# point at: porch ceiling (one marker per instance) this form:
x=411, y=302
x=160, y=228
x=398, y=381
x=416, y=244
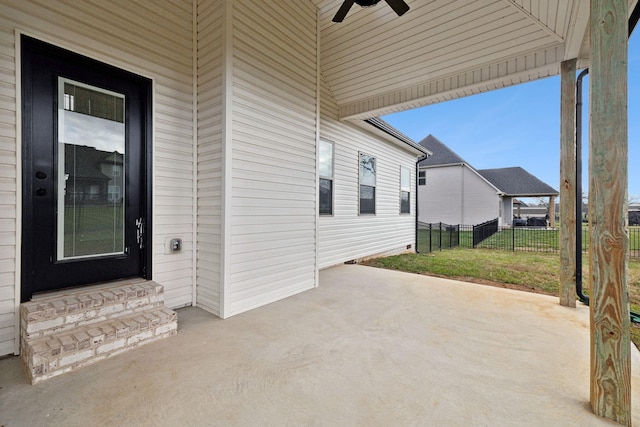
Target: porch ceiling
x=378, y=63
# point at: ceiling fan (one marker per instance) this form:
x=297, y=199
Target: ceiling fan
x=398, y=6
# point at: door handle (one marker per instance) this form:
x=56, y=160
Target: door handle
x=41, y=191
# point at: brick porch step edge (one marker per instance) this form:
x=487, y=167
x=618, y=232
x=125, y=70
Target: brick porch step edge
x=52, y=355
x=57, y=313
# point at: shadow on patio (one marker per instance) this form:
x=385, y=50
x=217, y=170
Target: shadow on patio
x=368, y=347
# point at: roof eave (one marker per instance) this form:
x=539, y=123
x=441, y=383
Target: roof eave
x=384, y=129
x=532, y=194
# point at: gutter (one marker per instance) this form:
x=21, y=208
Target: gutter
x=635, y=317
x=390, y=130
x=578, y=272
x=424, y=156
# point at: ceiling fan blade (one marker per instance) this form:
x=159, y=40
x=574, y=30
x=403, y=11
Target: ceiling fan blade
x=344, y=9
x=399, y=6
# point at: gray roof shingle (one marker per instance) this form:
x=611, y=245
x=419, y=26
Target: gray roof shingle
x=517, y=182
x=441, y=154
x=514, y=181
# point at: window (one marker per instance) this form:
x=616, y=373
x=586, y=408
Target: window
x=367, y=177
x=114, y=193
x=405, y=190
x=325, y=172
x=422, y=177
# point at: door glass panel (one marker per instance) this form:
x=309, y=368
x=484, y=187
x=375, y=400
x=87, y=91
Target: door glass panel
x=91, y=173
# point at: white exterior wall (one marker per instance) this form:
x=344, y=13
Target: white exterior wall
x=456, y=195
x=346, y=235
x=211, y=40
x=507, y=211
x=9, y=169
x=440, y=199
x=153, y=39
x=481, y=200
x=270, y=232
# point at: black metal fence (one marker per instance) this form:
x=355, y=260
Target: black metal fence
x=438, y=236
x=483, y=231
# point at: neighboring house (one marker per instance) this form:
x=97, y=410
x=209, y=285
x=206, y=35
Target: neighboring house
x=94, y=176
x=516, y=182
x=452, y=191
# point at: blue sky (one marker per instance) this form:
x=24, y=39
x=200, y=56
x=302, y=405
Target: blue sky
x=519, y=126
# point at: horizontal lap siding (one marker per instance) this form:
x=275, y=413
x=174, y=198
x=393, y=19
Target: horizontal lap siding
x=210, y=56
x=440, y=198
x=347, y=235
x=8, y=188
x=481, y=199
x=456, y=195
x=273, y=157
x=153, y=39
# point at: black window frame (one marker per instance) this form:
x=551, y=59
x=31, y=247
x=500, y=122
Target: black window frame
x=405, y=191
x=368, y=205
x=325, y=180
x=422, y=177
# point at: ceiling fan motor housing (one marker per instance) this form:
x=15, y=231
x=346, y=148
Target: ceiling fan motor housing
x=399, y=6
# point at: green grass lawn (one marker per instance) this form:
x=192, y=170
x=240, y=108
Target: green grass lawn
x=93, y=229
x=527, y=271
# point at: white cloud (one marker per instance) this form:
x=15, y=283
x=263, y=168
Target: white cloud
x=82, y=129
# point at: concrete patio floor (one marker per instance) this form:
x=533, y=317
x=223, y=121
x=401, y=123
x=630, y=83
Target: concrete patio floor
x=369, y=347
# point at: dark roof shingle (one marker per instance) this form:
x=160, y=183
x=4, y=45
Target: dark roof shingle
x=442, y=155
x=517, y=182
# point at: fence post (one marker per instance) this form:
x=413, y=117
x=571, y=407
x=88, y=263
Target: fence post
x=513, y=238
x=430, y=237
x=473, y=236
x=440, y=236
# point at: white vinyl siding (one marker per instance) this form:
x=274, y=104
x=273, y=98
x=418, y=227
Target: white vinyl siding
x=440, y=50
x=456, y=195
x=210, y=155
x=481, y=200
x=273, y=214
x=8, y=190
x=347, y=235
x=507, y=211
x=153, y=39
x=440, y=200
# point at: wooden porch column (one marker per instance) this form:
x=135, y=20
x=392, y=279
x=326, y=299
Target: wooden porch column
x=568, y=183
x=552, y=211
x=608, y=253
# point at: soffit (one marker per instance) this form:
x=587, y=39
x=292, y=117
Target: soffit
x=377, y=63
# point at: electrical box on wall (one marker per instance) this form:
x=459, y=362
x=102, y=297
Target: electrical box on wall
x=172, y=245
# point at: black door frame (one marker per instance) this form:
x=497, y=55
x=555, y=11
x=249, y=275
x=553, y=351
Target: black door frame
x=30, y=240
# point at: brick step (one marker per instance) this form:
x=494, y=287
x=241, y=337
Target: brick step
x=66, y=350
x=63, y=311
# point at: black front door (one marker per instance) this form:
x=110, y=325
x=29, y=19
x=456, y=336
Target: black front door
x=85, y=133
